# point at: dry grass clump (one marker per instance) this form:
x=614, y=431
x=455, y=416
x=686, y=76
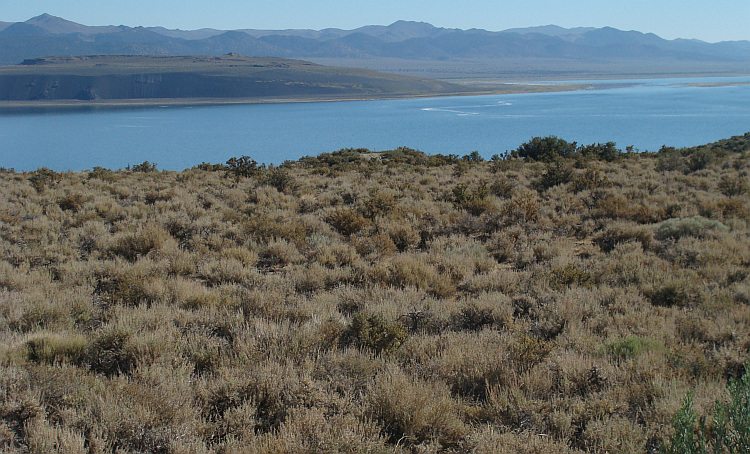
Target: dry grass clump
x=413, y=412
x=562, y=299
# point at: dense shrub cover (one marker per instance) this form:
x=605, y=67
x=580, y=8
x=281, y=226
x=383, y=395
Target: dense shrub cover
x=388, y=302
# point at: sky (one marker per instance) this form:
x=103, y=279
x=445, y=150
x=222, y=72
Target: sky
x=708, y=20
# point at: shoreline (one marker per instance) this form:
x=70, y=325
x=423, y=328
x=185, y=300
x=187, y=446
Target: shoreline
x=43, y=106
x=477, y=87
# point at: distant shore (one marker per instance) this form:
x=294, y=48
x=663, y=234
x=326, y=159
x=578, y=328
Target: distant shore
x=714, y=84
x=480, y=88
x=108, y=104
x=102, y=82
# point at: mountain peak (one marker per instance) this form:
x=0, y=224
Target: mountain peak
x=43, y=16
x=400, y=30
x=402, y=22
x=56, y=25
x=59, y=26
x=47, y=18
x=411, y=25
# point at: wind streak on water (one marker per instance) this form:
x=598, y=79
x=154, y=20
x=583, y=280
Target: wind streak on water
x=461, y=110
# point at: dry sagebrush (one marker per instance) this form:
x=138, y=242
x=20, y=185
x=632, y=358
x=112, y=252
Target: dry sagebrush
x=374, y=302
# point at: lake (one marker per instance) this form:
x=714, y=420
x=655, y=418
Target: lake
x=645, y=114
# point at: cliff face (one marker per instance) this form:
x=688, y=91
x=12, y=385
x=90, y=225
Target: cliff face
x=232, y=76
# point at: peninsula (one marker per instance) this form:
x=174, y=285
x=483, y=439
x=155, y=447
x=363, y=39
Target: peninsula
x=129, y=80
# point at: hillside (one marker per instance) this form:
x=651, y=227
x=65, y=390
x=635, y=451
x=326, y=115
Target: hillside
x=402, y=42
x=104, y=77
x=561, y=300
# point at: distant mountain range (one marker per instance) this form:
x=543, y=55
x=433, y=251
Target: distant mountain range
x=47, y=35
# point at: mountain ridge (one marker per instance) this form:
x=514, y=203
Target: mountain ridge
x=407, y=29
x=47, y=35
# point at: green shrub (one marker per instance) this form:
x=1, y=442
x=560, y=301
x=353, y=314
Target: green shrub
x=404, y=236
x=158, y=195
x=380, y=203
x=557, y=172
x=699, y=160
x=145, y=166
x=128, y=287
x=732, y=419
x=502, y=187
x=243, y=167
x=474, y=156
x=631, y=346
x=101, y=173
x=733, y=186
x=373, y=332
x=544, y=149
x=42, y=178
x=731, y=424
x=522, y=209
x=340, y=160
x=72, y=202
x=697, y=226
x=570, y=275
x=374, y=245
x=347, y=221
x=281, y=179
x=617, y=234
x=472, y=199
x=405, y=155
x=110, y=354
x=732, y=208
x=590, y=180
x=472, y=317
x=607, y=152
x=671, y=294
x=209, y=167
x=529, y=350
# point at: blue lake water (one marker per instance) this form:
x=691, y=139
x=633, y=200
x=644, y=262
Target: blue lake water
x=647, y=114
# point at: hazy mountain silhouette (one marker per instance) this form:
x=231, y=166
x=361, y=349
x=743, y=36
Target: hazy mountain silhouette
x=551, y=30
x=24, y=29
x=60, y=26
x=48, y=35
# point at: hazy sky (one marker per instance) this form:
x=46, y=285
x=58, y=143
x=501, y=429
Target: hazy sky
x=714, y=20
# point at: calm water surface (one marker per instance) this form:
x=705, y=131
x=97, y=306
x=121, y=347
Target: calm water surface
x=646, y=115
